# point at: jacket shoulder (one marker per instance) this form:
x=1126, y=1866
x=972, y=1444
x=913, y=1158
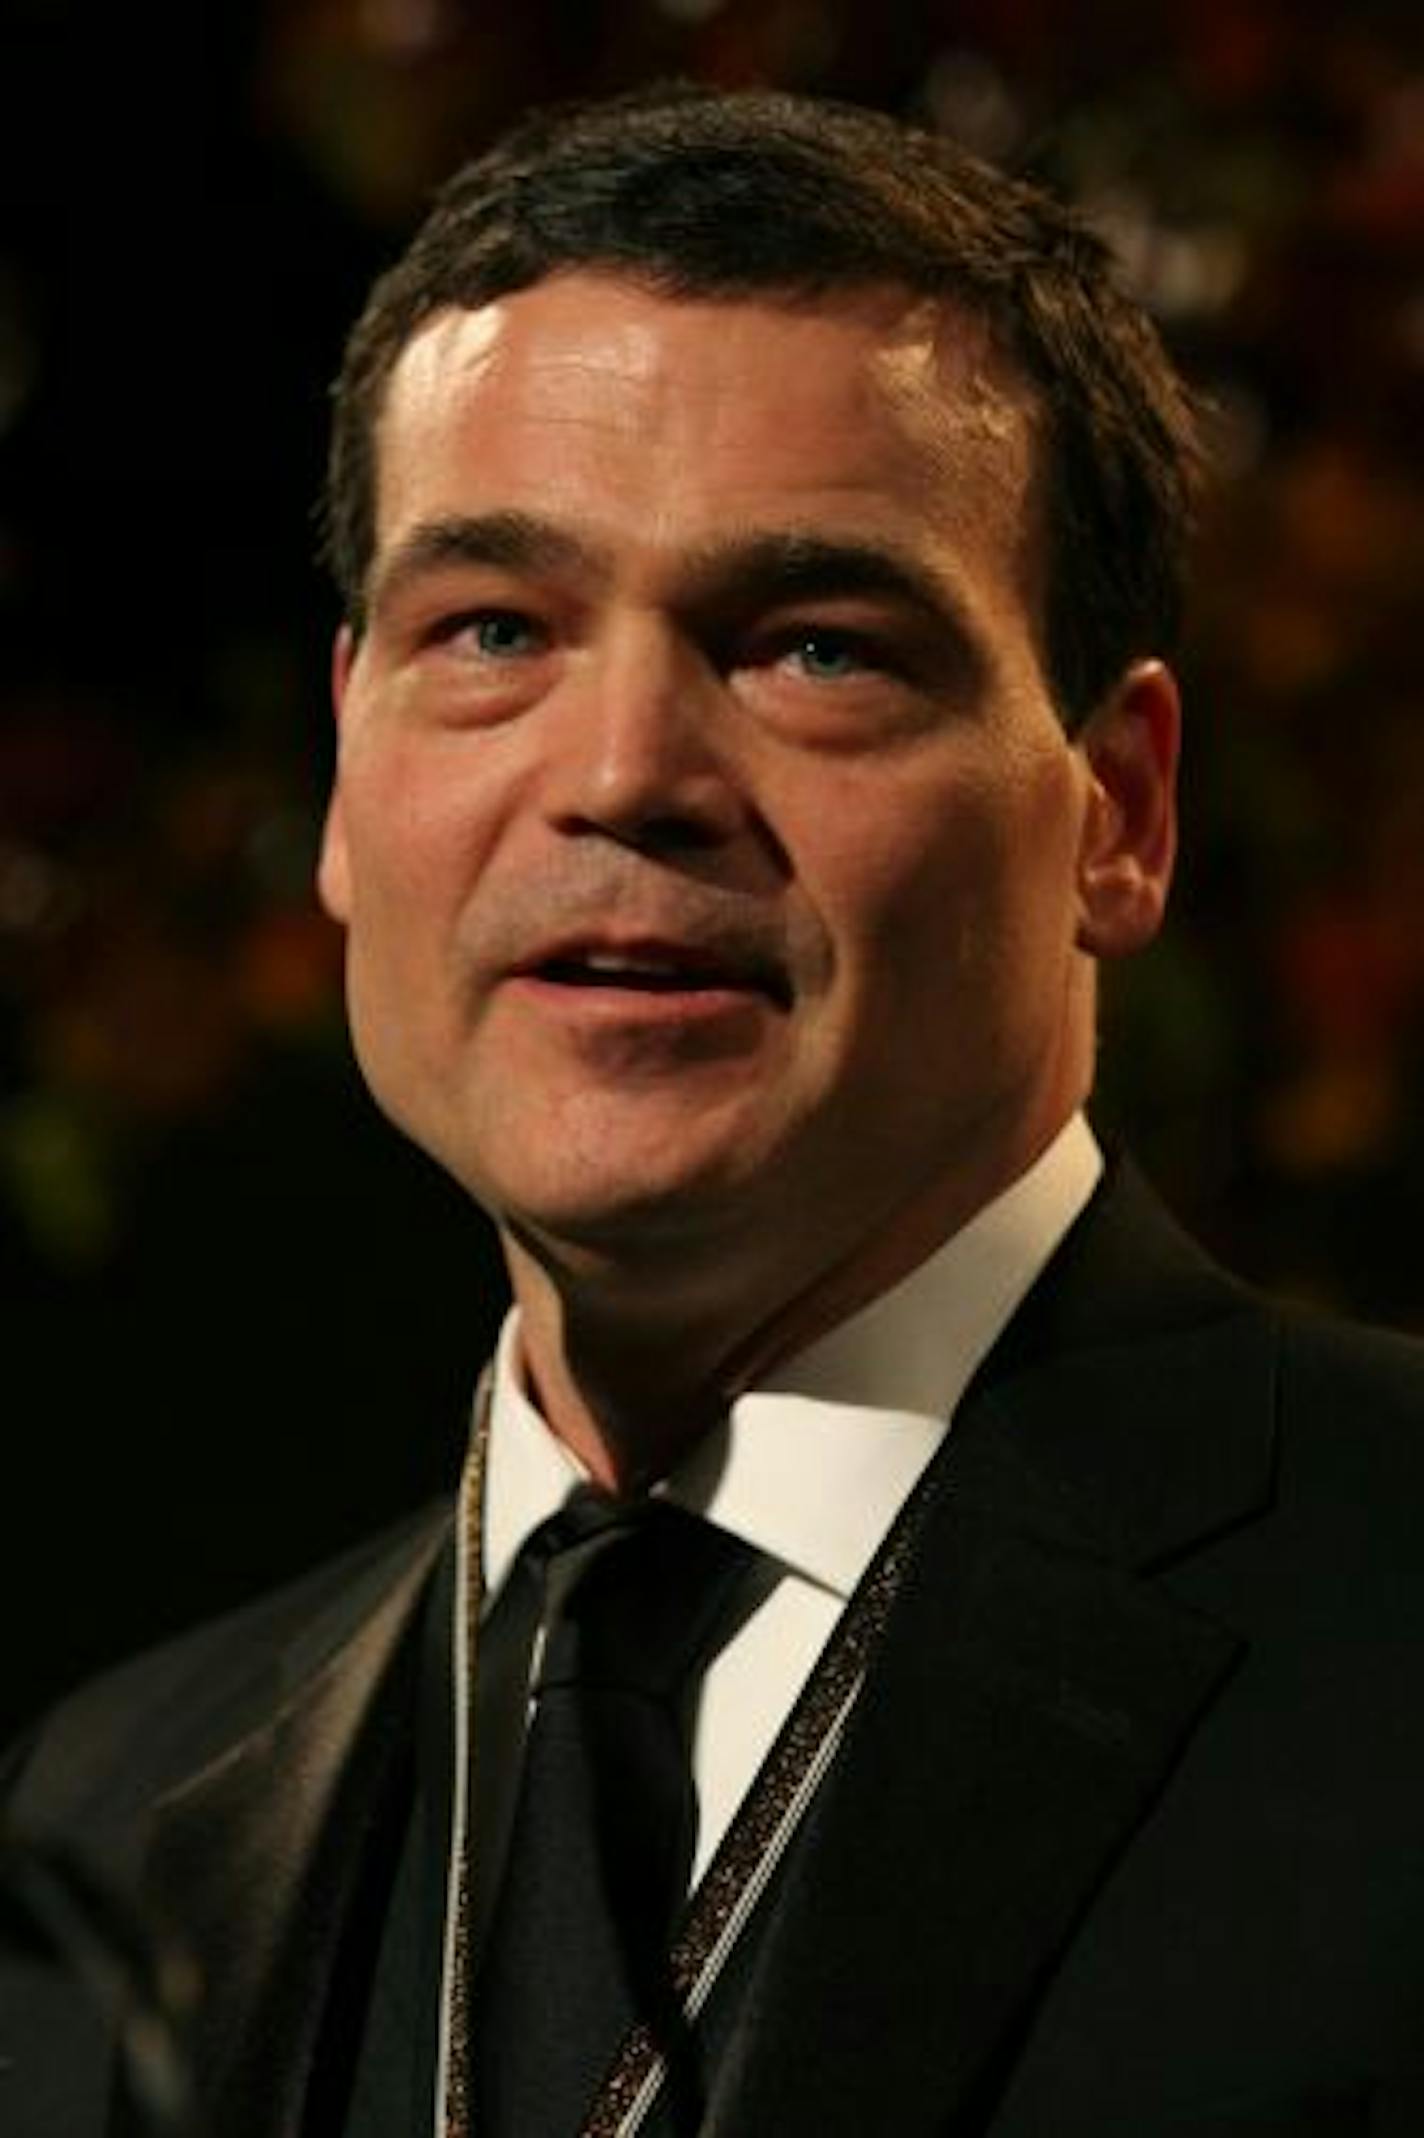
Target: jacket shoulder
x=1352, y=1445
x=1327, y=1361
x=109, y=1748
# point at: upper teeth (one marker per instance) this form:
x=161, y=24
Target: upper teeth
x=614, y=961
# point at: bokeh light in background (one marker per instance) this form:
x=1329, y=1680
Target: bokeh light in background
x=240, y=1318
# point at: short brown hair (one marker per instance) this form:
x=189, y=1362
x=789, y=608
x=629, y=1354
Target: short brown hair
x=704, y=194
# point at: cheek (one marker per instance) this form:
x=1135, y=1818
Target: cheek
x=963, y=890
x=1021, y=913
x=906, y=873
x=404, y=845
x=410, y=837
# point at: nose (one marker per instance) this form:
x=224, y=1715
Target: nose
x=644, y=753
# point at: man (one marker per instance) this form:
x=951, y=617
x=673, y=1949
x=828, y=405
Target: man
x=760, y=529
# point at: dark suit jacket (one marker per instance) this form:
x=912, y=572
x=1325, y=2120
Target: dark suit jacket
x=1126, y=1835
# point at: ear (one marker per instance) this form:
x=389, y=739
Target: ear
x=1130, y=745
x=333, y=872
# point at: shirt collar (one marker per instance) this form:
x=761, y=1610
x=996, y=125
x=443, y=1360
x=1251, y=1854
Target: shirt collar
x=528, y=1473
x=812, y=1464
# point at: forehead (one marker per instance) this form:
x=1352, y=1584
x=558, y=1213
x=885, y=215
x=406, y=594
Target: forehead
x=605, y=394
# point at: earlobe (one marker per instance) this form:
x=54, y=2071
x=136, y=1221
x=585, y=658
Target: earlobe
x=333, y=876
x=1130, y=746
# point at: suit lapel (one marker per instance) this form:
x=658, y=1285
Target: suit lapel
x=1033, y=1692
x=261, y=1872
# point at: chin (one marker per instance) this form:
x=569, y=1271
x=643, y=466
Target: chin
x=615, y=1214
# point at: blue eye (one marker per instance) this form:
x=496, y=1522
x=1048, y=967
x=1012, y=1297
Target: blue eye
x=828, y=656
x=502, y=634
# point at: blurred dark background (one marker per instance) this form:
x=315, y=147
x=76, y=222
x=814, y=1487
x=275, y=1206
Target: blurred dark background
x=240, y=1317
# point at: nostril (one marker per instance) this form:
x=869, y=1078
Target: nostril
x=656, y=832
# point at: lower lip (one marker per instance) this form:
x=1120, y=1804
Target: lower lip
x=644, y=1009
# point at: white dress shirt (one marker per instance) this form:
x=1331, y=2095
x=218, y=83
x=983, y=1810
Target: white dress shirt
x=810, y=1467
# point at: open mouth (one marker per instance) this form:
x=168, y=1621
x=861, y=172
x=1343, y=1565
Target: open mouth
x=645, y=979
x=677, y=971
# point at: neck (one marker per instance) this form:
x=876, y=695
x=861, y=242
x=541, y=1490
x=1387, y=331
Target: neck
x=628, y=1423
x=631, y=1362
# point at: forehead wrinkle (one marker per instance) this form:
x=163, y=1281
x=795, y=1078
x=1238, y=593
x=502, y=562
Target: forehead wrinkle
x=553, y=378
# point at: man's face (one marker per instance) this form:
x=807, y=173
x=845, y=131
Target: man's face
x=716, y=868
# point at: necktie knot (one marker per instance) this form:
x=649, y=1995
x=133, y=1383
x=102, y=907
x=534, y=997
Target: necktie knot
x=634, y=1592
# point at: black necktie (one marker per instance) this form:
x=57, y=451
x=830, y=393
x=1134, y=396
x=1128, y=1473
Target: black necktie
x=603, y=1831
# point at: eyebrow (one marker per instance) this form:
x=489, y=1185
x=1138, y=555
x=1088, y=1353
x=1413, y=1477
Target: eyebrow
x=731, y=573
x=502, y=541
x=764, y=569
